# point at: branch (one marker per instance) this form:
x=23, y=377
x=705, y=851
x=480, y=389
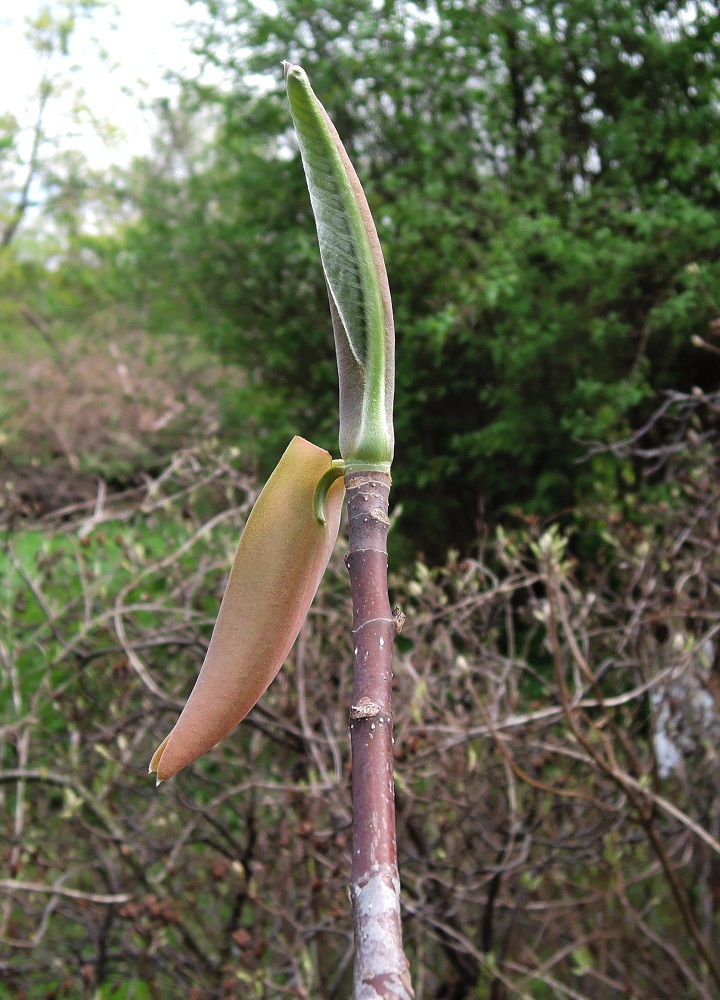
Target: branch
x=12, y=885
x=381, y=968
x=33, y=164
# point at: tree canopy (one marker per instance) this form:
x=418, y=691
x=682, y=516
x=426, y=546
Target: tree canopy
x=545, y=182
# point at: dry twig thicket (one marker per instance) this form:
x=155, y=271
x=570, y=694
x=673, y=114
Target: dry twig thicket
x=555, y=734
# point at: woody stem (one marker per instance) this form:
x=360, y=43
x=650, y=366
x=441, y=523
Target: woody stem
x=381, y=968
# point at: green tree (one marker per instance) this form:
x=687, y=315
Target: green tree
x=37, y=169
x=50, y=198
x=542, y=174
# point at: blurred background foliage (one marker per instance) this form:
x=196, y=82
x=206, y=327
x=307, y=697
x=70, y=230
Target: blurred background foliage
x=556, y=735
x=546, y=185
x=542, y=176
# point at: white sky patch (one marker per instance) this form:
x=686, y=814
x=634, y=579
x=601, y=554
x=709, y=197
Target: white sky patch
x=120, y=59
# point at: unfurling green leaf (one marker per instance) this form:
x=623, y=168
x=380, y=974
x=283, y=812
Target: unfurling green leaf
x=356, y=279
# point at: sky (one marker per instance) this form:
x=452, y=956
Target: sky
x=120, y=58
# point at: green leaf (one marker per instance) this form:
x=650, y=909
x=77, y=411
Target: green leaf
x=356, y=279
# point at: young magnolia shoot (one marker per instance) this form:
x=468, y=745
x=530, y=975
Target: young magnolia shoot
x=287, y=543
x=364, y=337
x=291, y=531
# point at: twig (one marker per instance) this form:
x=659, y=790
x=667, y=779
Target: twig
x=13, y=885
x=635, y=792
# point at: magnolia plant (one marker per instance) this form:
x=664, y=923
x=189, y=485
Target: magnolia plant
x=288, y=540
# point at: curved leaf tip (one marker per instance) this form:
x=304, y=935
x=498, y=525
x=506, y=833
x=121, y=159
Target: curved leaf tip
x=282, y=555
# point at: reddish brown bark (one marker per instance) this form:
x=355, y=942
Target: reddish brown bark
x=381, y=968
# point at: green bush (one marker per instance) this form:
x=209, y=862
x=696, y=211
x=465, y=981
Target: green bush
x=541, y=174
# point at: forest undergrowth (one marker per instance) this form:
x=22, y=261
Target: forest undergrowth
x=556, y=730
